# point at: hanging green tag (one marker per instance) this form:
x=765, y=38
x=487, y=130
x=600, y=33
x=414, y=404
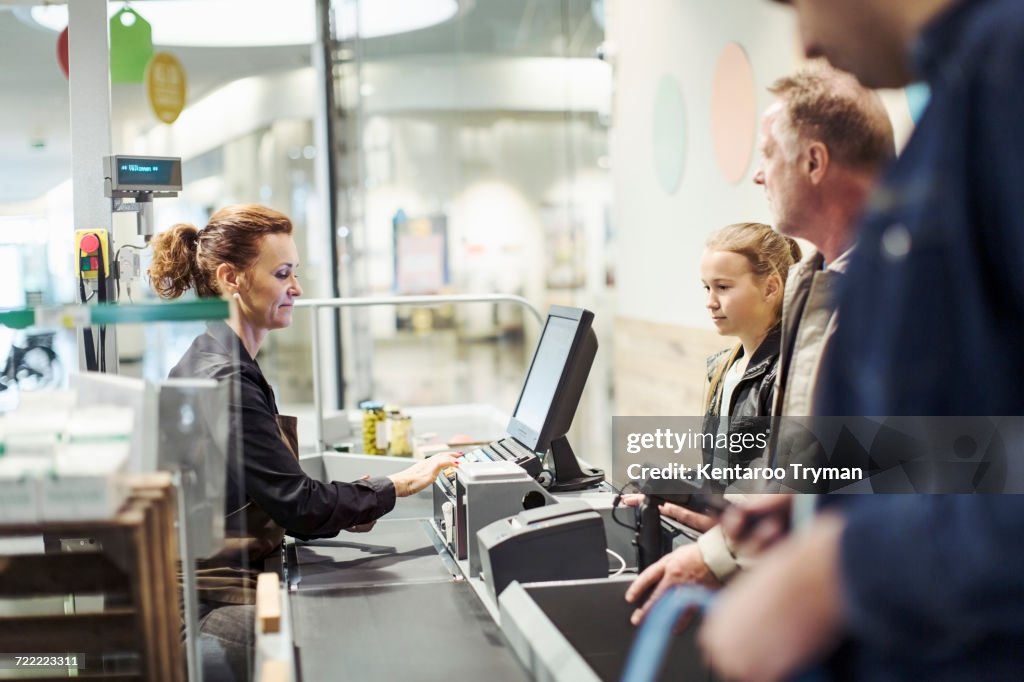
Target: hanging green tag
x=131, y=46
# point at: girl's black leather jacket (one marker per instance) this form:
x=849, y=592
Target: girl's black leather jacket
x=751, y=405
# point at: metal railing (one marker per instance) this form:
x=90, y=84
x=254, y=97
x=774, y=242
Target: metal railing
x=319, y=304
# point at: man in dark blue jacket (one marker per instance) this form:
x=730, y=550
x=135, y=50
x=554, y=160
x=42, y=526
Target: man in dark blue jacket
x=925, y=587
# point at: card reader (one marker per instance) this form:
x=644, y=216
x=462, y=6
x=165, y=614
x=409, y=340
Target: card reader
x=564, y=541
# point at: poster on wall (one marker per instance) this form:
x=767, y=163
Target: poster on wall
x=421, y=254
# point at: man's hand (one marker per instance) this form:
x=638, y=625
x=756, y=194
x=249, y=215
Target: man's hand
x=421, y=474
x=682, y=566
x=774, y=622
x=757, y=524
x=685, y=516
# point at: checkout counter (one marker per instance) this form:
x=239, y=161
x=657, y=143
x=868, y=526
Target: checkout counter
x=500, y=571
x=488, y=574
x=398, y=604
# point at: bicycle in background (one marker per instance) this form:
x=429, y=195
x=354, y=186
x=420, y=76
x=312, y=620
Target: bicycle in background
x=32, y=363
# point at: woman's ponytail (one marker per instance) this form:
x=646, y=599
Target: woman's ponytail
x=174, y=268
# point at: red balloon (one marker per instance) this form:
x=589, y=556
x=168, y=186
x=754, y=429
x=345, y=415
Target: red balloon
x=62, y=52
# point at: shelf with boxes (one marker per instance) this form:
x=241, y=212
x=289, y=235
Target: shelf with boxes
x=129, y=561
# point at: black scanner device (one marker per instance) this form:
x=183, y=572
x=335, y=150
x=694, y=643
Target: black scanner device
x=564, y=541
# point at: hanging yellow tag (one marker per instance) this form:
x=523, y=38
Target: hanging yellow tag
x=165, y=86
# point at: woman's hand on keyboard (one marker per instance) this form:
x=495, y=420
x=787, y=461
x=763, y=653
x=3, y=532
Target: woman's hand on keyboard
x=421, y=474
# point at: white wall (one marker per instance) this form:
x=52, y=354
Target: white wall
x=660, y=235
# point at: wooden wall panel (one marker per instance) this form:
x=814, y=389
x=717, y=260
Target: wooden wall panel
x=659, y=369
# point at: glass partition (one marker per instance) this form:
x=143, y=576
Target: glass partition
x=80, y=447
x=472, y=159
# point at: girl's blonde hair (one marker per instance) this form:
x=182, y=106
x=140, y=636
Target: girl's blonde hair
x=768, y=253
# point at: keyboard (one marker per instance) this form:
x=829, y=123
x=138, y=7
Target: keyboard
x=510, y=450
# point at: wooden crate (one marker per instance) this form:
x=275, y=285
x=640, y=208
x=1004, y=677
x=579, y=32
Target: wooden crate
x=133, y=568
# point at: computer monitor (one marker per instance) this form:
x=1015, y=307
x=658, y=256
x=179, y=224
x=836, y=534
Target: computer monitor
x=551, y=392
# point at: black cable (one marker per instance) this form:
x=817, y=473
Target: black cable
x=617, y=500
x=101, y=292
x=103, y=348
x=101, y=274
x=128, y=246
x=88, y=345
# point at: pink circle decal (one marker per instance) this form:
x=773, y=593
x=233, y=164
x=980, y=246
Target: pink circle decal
x=733, y=112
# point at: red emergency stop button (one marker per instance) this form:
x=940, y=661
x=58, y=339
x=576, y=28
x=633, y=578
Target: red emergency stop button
x=90, y=243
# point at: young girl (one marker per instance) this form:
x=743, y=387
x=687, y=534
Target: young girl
x=743, y=270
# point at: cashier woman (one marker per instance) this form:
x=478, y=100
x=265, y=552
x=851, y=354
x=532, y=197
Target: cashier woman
x=247, y=253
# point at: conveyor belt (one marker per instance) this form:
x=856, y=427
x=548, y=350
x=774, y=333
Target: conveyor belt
x=395, y=552
x=384, y=606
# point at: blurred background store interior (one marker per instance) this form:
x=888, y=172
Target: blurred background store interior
x=572, y=152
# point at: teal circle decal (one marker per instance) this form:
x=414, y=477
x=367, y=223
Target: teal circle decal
x=668, y=140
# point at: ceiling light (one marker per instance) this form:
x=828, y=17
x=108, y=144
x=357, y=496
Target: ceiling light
x=238, y=23
x=375, y=18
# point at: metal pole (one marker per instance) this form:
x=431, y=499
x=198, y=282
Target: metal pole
x=418, y=301
x=327, y=172
x=317, y=304
x=89, y=90
x=318, y=401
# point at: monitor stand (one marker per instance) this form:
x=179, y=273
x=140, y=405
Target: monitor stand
x=568, y=474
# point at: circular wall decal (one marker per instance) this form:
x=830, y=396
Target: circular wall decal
x=733, y=112
x=668, y=141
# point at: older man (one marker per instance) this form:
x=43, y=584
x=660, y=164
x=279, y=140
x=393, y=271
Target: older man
x=923, y=587
x=823, y=142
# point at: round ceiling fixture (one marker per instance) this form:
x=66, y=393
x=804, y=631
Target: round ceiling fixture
x=245, y=23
